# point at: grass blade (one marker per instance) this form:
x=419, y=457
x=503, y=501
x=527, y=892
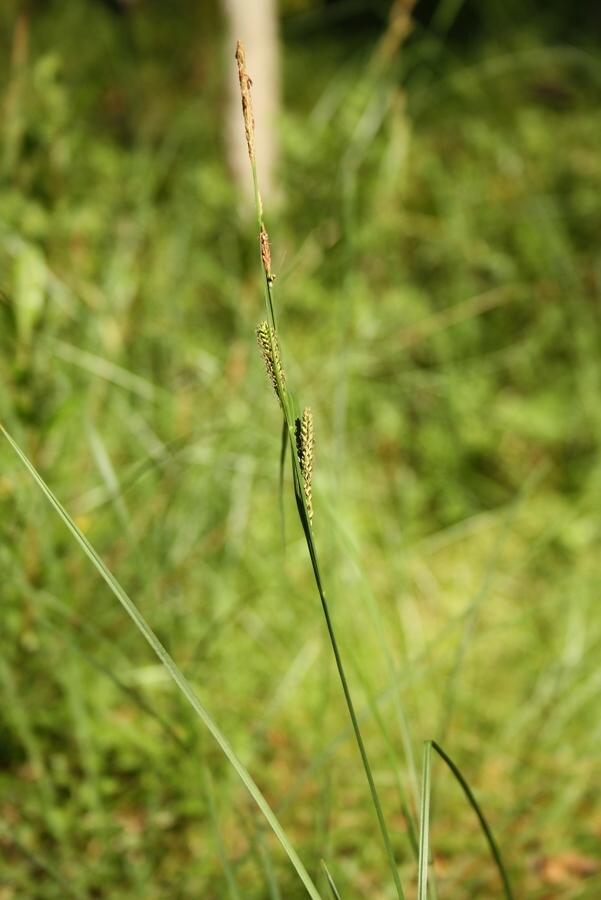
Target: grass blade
x=330, y=880
x=424, y=825
x=496, y=853
x=179, y=678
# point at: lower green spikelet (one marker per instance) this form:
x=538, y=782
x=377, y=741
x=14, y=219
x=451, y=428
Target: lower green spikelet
x=305, y=445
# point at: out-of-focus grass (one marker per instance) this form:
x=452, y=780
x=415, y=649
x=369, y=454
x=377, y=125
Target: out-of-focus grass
x=439, y=251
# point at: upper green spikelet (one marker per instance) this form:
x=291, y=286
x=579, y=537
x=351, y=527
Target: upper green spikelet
x=270, y=351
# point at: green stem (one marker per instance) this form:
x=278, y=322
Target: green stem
x=305, y=521
x=287, y=407
x=424, y=825
x=351, y=709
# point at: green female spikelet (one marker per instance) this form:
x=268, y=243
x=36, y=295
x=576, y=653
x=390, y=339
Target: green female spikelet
x=270, y=351
x=305, y=445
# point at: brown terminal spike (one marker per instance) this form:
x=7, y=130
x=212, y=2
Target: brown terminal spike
x=305, y=445
x=247, y=109
x=270, y=351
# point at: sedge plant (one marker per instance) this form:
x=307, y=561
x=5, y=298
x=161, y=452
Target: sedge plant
x=297, y=435
x=298, y=439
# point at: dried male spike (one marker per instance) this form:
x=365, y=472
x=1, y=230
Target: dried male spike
x=266, y=253
x=305, y=445
x=247, y=109
x=270, y=351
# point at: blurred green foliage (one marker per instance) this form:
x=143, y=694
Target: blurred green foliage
x=439, y=287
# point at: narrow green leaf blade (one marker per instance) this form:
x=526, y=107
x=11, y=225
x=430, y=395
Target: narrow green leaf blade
x=181, y=681
x=330, y=880
x=424, y=825
x=496, y=853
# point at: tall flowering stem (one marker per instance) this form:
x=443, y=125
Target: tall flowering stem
x=298, y=432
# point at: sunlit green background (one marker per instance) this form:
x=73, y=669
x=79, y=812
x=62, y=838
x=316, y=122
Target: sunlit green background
x=438, y=259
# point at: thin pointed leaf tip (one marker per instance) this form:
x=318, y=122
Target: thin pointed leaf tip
x=305, y=445
x=270, y=351
x=247, y=109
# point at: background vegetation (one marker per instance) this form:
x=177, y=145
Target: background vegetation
x=439, y=281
